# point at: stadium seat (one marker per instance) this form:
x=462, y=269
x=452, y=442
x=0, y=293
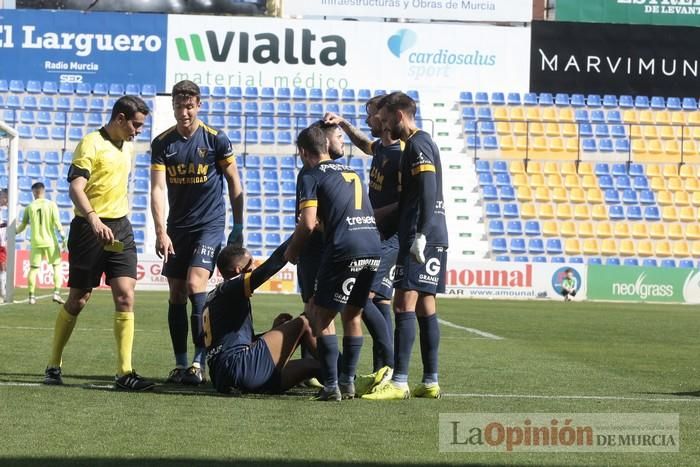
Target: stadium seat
x=630, y=262
x=506, y=193
x=590, y=247
x=686, y=263
x=496, y=227
x=608, y=247
x=517, y=246
x=514, y=228
x=692, y=232
x=545, y=211
x=499, y=245
x=532, y=228
x=528, y=211
x=510, y=210
x=554, y=246
x=550, y=229
x=680, y=250
x=568, y=229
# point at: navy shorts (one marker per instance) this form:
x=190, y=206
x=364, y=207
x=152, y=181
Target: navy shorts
x=383, y=285
x=307, y=270
x=344, y=282
x=250, y=369
x=193, y=248
x=426, y=278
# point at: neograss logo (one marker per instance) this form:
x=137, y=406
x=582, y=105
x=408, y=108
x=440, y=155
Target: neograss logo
x=642, y=290
x=262, y=48
x=404, y=40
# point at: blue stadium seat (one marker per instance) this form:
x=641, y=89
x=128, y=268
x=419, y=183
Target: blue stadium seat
x=252, y=175
x=532, y=228
x=466, y=98
x=284, y=137
x=535, y=246
x=132, y=89
x=289, y=189
x=115, y=89
x=686, y=263
x=4, y=87
x=506, y=193
x=510, y=210
x=148, y=90
x=13, y=102
x=545, y=99
x=271, y=205
x=204, y=91
x=253, y=188
x=595, y=260
x=658, y=103
x=594, y=101
x=235, y=136
x=513, y=98
x=578, y=100
x=218, y=92
x=272, y=240
x=143, y=160
x=493, y=210
x=521, y=259
x=25, y=198
x=612, y=261
x=473, y=142
x=561, y=100
x=470, y=127
x=481, y=98
x=482, y=166
x=267, y=137
x=623, y=182
x=558, y=259
x=636, y=170
x=651, y=213
x=288, y=223
x=484, y=113
x=267, y=108
x=632, y=262
x=606, y=145
x=496, y=227
x=689, y=103
x=289, y=205
x=616, y=212
x=287, y=162
x=63, y=200
x=284, y=94
x=602, y=168
x=253, y=204
x=272, y=223
x=65, y=217
x=605, y=182
x=30, y=103
x=16, y=85
x=622, y=145
x=347, y=95
x=233, y=121
x=634, y=213
x=253, y=222
x=539, y=259
x=498, y=98
x=254, y=240
x=316, y=110
x=34, y=171
x=300, y=109
x=267, y=93
x=138, y=219
x=673, y=103
x=641, y=102
x=530, y=98
x=585, y=130
x=27, y=116
x=58, y=133
x=25, y=131
x=299, y=94
x=502, y=179
x=629, y=196
x=576, y=260
x=141, y=186
x=499, y=245
x=140, y=201
x=626, y=102
x=514, y=228
x=315, y=94
x=502, y=258
x=554, y=246
x=271, y=189
x=218, y=107
x=667, y=263
x=468, y=113
x=581, y=116
x=235, y=108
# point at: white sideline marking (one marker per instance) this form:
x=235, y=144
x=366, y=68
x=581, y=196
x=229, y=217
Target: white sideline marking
x=15, y=383
x=485, y=334
x=595, y=398
x=26, y=300
x=33, y=328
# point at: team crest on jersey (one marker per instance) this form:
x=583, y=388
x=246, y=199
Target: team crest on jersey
x=202, y=152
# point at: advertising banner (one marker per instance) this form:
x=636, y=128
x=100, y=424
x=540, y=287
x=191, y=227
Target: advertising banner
x=246, y=7
x=76, y=47
x=666, y=12
x=228, y=51
x=487, y=279
x=614, y=59
x=453, y=10
x=638, y=284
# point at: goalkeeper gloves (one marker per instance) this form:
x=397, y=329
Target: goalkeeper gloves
x=236, y=235
x=418, y=248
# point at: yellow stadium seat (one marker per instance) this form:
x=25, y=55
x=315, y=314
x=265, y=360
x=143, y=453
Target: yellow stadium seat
x=646, y=116
x=589, y=181
x=503, y=128
x=524, y=194
x=603, y=230
x=653, y=170
x=556, y=144
x=521, y=144
x=650, y=133
x=549, y=114
x=582, y=212
x=594, y=196
x=585, y=168
x=559, y=195
x=517, y=167
x=688, y=214
x=636, y=132
x=639, y=230
x=500, y=113
x=566, y=114
x=691, y=185
x=552, y=129
x=627, y=247
x=519, y=128
x=591, y=247
x=577, y=195
x=568, y=229
x=527, y=211
x=664, y=198
x=571, y=146
x=572, y=181
x=536, y=180
x=534, y=167
x=687, y=171
x=533, y=114
x=694, y=118
x=520, y=180
x=608, y=247
x=669, y=214
x=545, y=211
x=696, y=198
x=600, y=212
x=564, y=211
x=681, y=198
x=670, y=170
x=654, y=146
x=695, y=249
x=663, y=117
x=645, y=248
x=678, y=118
x=516, y=113
x=690, y=148
x=568, y=168
x=672, y=148
x=639, y=147
x=542, y=194
x=554, y=180
x=681, y=250
x=585, y=230
x=657, y=183
x=539, y=145
x=662, y=249
x=551, y=168
x=674, y=183
x=692, y=232
x=622, y=230
x=536, y=129
x=507, y=145
x=630, y=116
x=675, y=231
x=658, y=230
x=668, y=132
x=572, y=246
x=569, y=129
x=550, y=229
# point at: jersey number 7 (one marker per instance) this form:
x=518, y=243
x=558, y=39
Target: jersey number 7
x=351, y=177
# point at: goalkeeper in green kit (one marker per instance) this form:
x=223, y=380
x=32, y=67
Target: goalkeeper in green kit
x=43, y=219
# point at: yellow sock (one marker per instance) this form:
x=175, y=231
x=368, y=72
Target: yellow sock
x=124, y=334
x=65, y=322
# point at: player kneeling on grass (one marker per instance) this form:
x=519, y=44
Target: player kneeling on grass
x=237, y=358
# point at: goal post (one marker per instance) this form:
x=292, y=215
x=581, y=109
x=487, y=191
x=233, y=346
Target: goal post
x=9, y=139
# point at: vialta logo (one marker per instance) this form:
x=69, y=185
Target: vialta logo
x=642, y=290
x=262, y=48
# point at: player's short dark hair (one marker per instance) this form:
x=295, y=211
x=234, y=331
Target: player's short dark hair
x=38, y=186
x=129, y=106
x=313, y=140
x=375, y=101
x=226, y=257
x=186, y=88
x=398, y=101
x=327, y=127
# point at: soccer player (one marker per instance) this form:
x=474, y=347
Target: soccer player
x=568, y=285
x=237, y=358
x=384, y=196
x=101, y=239
x=421, y=266
x=42, y=216
x=191, y=160
x=333, y=194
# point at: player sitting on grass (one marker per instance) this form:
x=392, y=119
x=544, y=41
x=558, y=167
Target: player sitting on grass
x=237, y=358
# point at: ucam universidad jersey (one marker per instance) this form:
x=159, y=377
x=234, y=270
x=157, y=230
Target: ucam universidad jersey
x=421, y=203
x=384, y=183
x=194, y=174
x=343, y=209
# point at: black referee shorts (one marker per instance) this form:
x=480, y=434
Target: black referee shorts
x=88, y=259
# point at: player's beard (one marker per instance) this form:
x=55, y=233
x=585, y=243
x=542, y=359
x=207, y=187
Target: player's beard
x=335, y=155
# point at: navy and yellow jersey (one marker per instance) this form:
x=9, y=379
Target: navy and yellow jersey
x=227, y=316
x=343, y=210
x=384, y=182
x=314, y=244
x=421, y=204
x=194, y=174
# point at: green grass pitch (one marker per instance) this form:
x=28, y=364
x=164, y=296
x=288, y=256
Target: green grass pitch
x=630, y=358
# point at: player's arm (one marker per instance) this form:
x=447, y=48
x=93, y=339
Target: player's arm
x=304, y=227
x=56, y=220
x=356, y=135
x=23, y=224
x=227, y=161
x=423, y=171
x=164, y=246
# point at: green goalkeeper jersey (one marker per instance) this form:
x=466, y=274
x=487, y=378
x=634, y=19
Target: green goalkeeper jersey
x=42, y=216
